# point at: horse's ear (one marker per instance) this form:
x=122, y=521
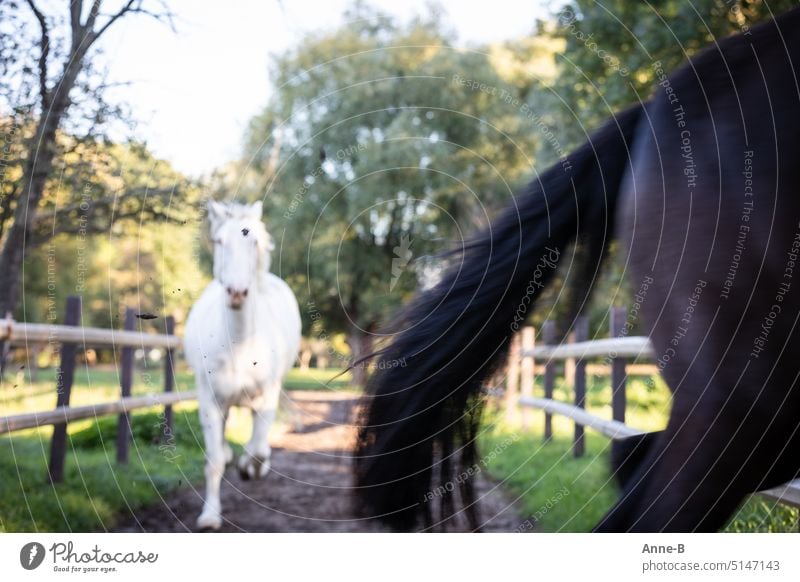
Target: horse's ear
x=216, y=212
x=256, y=209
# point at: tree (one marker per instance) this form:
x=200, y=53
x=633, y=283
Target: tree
x=611, y=47
x=383, y=145
x=143, y=262
x=64, y=81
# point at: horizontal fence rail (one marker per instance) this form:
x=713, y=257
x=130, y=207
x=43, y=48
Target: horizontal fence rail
x=611, y=428
x=22, y=333
x=619, y=351
x=70, y=336
x=627, y=347
x=66, y=414
x=788, y=493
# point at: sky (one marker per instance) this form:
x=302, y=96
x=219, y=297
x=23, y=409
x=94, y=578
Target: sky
x=192, y=92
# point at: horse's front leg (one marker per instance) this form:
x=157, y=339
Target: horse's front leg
x=255, y=462
x=213, y=420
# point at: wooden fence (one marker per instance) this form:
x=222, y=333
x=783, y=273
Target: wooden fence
x=618, y=352
x=70, y=336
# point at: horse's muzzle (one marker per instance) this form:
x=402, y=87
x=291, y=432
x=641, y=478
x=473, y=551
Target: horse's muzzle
x=236, y=297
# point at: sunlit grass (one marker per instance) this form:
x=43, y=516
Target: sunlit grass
x=571, y=495
x=94, y=385
x=315, y=379
x=96, y=490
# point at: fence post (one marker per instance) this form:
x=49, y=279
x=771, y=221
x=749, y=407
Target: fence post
x=569, y=364
x=526, y=371
x=126, y=382
x=549, y=338
x=66, y=374
x=169, y=379
x=581, y=335
x=618, y=373
x=512, y=381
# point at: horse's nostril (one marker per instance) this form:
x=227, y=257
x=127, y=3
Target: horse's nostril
x=229, y=290
x=244, y=292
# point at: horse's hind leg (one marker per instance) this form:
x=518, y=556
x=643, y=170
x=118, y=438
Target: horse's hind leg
x=212, y=420
x=629, y=454
x=227, y=450
x=255, y=462
x=704, y=464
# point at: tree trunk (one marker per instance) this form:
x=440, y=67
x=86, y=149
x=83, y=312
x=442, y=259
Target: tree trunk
x=38, y=168
x=360, y=345
x=39, y=164
x=305, y=359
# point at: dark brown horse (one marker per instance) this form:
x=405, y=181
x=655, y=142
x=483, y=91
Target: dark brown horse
x=703, y=182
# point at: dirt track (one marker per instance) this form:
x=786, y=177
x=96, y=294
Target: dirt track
x=308, y=487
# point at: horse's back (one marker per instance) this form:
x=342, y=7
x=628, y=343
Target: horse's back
x=712, y=210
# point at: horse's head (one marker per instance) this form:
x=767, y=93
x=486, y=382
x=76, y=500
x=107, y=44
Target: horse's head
x=242, y=248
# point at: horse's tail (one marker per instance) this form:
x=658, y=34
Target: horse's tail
x=421, y=409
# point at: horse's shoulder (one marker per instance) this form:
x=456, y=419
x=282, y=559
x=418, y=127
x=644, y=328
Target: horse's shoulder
x=275, y=285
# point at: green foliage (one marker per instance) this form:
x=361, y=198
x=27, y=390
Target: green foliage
x=376, y=135
x=121, y=230
x=610, y=49
x=376, y=154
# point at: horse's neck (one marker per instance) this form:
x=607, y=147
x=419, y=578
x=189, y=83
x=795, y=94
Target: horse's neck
x=241, y=324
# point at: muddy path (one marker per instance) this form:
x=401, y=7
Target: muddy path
x=308, y=488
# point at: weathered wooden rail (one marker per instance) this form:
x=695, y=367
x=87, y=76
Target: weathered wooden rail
x=618, y=351
x=70, y=336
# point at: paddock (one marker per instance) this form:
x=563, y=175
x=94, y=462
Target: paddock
x=617, y=354
x=313, y=443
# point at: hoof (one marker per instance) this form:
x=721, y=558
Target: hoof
x=253, y=467
x=209, y=521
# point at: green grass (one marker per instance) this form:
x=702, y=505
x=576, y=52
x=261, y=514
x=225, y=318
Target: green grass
x=314, y=379
x=93, y=385
x=96, y=490
x=566, y=494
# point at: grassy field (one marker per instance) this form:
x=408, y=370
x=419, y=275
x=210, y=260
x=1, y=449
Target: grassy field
x=96, y=491
x=567, y=494
x=571, y=495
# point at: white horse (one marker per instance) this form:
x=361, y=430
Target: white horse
x=241, y=339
